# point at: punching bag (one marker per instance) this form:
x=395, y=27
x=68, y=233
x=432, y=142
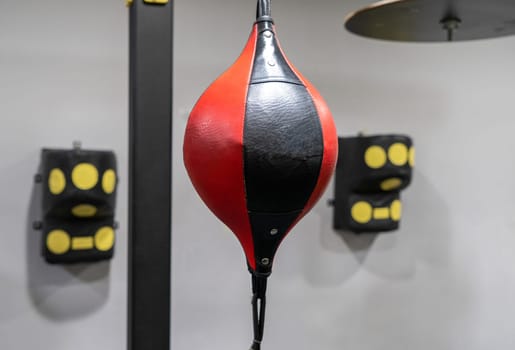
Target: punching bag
x=260, y=148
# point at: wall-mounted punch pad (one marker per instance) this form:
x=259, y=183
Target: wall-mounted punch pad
x=78, y=204
x=371, y=172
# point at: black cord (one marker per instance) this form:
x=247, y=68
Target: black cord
x=258, y=309
x=263, y=9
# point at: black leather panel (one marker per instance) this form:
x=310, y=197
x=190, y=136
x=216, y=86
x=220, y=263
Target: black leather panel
x=268, y=231
x=283, y=147
x=269, y=62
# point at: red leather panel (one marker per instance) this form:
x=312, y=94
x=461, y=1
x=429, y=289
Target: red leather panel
x=213, y=147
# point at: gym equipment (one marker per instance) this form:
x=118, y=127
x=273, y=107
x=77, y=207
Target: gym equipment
x=260, y=147
x=434, y=20
x=78, y=204
x=369, y=177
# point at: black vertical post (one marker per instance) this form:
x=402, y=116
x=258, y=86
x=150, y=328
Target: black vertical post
x=150, y=180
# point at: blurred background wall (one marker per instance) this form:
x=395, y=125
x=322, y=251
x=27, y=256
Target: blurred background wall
x=63, y=77
x=446, y=280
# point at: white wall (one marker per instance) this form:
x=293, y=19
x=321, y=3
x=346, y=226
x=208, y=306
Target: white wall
x=444, y=281
x=63, y=77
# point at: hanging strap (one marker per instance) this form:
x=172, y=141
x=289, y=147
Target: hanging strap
x=258, y=309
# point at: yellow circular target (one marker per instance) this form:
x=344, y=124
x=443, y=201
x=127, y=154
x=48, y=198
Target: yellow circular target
x=109, y=181
x=361, y=212
x=56, y=181
x=104, y=238
x=58, y=242
x=412, y=156
x=85, y=176
x=396, y=210
x=375, y=157
x=398, y=154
